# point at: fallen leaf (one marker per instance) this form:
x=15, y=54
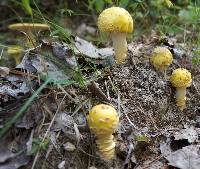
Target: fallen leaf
x=14, y=86
x=31, y=118
x=12, y=151
x=186, y=158
x=16, y=162
x=189, y=133
x=37, y=64
x=154, y=164
x=91, y=53
x=65, y=123
x=63, y=51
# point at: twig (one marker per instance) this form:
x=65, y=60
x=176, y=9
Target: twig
x=78, y=135
x=87, y=153
x=107, y=90
x=1, y=54
x=130, y=150
x=79, y=107
x=29, y=142
x=112, y=84
x=67, y=94
x=16, y=72
x=49, y=151
x=196, y=88
x=48, y=161
x=125, y=112
x=47, y=154
x=48, y=111
x=94, y=87
x=118, y=103
x=48, y=129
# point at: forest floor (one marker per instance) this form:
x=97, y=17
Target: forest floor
x=53, y=132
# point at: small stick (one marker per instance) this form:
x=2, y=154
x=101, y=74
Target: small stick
x=47, y=131
x=108, y=94
x=97, y=91
x=130, y=150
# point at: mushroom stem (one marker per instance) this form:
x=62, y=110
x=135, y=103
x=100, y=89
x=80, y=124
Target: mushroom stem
x=30, y=39
x=165, y=74
x=106, y=146
x=17, y=58
x=120, y=46
x=181, y=97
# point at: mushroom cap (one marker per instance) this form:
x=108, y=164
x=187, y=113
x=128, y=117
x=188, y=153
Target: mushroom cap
x=115, y=19
x=28, y=26
x=181, y=78
x=103, y=119
x=14, y=49
x=161, y=58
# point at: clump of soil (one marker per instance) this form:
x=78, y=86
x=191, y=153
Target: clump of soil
x=147, y=100
x=146, y=96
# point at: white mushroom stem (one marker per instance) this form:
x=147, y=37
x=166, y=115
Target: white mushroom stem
x=120, y=46
x=181, y=97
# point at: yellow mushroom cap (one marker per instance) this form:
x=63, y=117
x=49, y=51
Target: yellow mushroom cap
x=14, y=49
x=161, y=58
x=28, y=26
x=115, y=19
x=181, y=78
x=103, y=119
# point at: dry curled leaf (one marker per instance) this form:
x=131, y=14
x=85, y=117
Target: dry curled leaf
x=188, y=133
x=186, y=158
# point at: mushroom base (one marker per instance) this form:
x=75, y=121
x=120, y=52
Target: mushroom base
x=17, y=58
x=181, y=97
x=106, y=146
x=120, y=47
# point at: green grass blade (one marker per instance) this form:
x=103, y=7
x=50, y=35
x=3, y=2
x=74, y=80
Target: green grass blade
x=27, y=6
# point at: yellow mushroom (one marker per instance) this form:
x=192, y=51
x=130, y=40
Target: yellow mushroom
x=30, y=29
x=103, y=120
x=161, y=58
x=15, y=52
x=181, y=79
x=118, y=22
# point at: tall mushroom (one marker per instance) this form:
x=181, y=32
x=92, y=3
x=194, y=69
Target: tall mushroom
x=181, y=79
x=30, y=29
x=103, y=120
x=118, y=22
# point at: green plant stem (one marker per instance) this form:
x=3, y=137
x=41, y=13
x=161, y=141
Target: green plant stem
x=23, y=109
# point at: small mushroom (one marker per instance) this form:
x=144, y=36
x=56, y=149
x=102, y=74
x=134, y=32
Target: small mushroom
x=181, y=79
x=30, y=29
x=118, y=22
x=15, y=52
x=161, y=58
x=103, y=120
